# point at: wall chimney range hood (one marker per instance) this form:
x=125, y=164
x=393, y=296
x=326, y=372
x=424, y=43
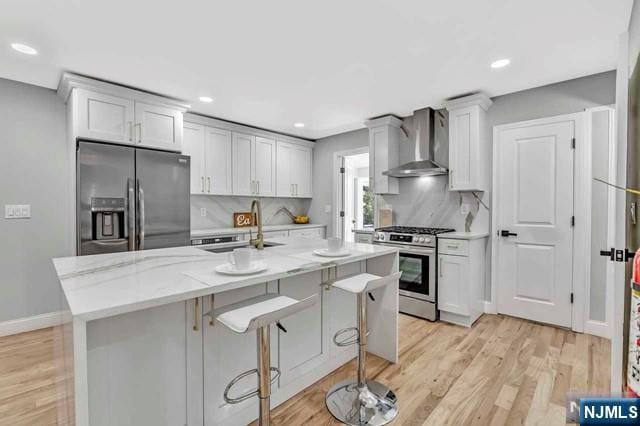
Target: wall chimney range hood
x=429, y=126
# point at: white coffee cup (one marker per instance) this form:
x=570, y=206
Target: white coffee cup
x=240, y=258
x=334, y=243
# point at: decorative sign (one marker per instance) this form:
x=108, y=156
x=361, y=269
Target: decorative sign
x=243, y=219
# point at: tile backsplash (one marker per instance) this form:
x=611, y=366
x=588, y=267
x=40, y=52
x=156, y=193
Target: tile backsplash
x=220, y=210
x=427, y=201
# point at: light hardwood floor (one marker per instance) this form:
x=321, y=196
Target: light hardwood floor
x=502, y=371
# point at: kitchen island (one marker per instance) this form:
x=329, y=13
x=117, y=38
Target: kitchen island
x=145, y=352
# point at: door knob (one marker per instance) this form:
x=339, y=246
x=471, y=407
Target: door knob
x=506, y=233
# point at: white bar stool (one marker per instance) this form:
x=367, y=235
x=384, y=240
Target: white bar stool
x=258, y=313
x=361, y=401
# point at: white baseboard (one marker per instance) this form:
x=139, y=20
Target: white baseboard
x=597, y=328
x=36, y=322
x=490, y=308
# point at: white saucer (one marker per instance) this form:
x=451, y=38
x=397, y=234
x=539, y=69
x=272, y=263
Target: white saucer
x=230, y=269
x=326, y=253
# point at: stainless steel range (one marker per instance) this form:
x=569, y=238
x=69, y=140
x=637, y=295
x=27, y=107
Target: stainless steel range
x=418, y=265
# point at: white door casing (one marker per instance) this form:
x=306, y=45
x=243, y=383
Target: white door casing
x=534, y=182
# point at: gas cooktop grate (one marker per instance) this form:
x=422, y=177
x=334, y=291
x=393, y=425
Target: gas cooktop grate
x=414, y=230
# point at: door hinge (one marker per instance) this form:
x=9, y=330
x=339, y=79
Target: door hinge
x=573, y=143
x=573, y=221
x=341, y=169
x=341, y=214
x=572, y=298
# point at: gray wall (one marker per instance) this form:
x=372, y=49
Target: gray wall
x=34, y=164
x=323, y=169
x=427, y=201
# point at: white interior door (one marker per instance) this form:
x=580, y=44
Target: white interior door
x=534, y=198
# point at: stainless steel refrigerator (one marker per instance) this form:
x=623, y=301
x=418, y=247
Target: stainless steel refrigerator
x=131, y=198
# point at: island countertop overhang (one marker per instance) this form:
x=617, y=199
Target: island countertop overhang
x=101, y=286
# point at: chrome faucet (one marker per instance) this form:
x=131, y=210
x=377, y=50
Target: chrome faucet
x=256, y=208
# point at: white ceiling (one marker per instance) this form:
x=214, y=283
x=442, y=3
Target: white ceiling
x=330, y=64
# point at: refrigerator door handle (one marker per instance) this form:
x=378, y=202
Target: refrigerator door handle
x=140, y=215
x=131, y=215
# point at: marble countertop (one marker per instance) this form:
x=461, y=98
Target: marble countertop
x=464, y=235
x=101, y=286
x=202, y=233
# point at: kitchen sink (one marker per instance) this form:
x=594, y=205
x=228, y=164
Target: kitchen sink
x=228, y=249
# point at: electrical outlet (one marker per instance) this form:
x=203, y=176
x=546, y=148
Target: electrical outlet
x=17, y=211
x=464, y=209
x=203, y=212
x=327, y=208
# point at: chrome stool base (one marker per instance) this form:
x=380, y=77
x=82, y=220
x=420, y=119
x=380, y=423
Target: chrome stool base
x=374, y=405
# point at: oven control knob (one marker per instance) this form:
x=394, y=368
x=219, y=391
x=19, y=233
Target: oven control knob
x=381, y=237
x=427, y=240
x=421, y=240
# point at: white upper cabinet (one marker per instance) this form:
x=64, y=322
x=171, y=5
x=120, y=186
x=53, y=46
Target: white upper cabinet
x=104, y=117
x=468, y=143
x=302, y=165
x=110, y=113
x=158, y=127
x=384, y=137
x=284, y=156
x=294, y=170
x=242, y=160
x=264, y=155
x=193, y=146
x=217, y=160
x=210, y=151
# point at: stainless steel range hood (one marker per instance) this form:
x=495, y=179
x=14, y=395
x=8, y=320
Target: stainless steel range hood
x=429, y=127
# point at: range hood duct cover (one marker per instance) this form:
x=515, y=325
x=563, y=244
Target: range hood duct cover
x=425, y=132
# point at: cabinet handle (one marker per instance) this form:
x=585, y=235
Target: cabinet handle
x=196, y=314
x=139, y=126
x=296, y=189
x=452, y=246
x=258, y=183
x=130, y=130
x=202, y=180
x=211, y=319
x=209, y=183
x=291, y=189
x=440, y=268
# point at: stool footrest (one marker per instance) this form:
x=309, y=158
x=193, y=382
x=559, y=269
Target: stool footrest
x=349, y=340
x=238, y=399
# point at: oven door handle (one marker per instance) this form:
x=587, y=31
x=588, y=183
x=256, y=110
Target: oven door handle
x=421, y=251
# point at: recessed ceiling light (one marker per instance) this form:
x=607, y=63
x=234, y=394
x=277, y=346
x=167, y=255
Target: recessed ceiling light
x=23, y=48
x=298, y=125
x=500, y=63
x=206, y=99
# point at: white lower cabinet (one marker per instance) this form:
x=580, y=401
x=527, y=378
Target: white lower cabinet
x=135, y=381
x=227, y=354
x=307, y=233
x=461, y=280
x=301, y=347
